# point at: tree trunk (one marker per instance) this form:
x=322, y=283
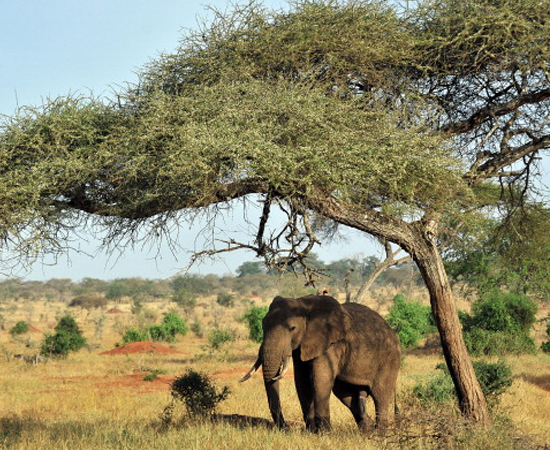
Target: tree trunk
x=418, y=239
x=470, y=396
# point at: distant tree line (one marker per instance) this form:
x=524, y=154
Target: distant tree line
x=252, y=278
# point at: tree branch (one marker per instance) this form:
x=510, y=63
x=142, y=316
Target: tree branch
x=498, y=110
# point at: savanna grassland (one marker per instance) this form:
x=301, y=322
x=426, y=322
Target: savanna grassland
x=92, y=400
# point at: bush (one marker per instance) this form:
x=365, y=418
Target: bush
x=481, y=342
x=175, y=324
x=253, y=318
x=218, y=337
x=198, y=393
x=510, y=312
x=500, y=324
x=410, y=320
x=134, y=335
x=68, y=338
x=494, y=378
x=171, y=325
x=89, y=301
x=197, y=328
x=225, y=299
x=19, y=328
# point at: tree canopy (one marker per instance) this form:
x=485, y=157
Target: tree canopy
x=402, y=122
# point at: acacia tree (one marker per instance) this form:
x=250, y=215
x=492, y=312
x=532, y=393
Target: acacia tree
x=394, y=121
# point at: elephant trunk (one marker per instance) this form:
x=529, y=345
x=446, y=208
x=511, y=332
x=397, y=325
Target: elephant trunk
x=275, y=364
x=274, y=401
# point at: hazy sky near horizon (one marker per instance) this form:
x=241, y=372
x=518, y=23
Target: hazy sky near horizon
x=56, y=47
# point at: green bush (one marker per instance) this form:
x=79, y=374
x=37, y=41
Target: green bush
x=494, y=378
x=175, y=324
x=253, y=318
x=410, y=320
x=134, y=335
x=497, y=311
x=218, y=337
x=198, y=393
x=19, y=328
x=171, y=325
x=68, y=338
x=500, y=324
x=481, y=342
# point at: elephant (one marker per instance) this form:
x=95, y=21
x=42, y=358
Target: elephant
x=348, y=349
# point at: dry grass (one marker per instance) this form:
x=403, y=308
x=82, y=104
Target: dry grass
x=92, y=401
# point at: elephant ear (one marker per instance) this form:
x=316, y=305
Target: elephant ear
x=326, y=323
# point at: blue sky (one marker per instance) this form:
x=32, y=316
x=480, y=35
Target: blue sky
x=55, y=47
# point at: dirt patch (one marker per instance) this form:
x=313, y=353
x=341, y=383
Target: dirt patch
x=114, y=311
x=34, y=330
x=140, y=347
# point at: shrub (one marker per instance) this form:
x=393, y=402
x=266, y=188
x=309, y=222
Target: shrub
x=89, y=301
x=198, y=393
x=509, y=312
x=500, y=324
x=197, y=328
x=175, y=324
x=497, y=343
x=171, y=325
x=494, y=378
x=253, y=318
x=225, y=299
x=68, y=338
x=134, y=335
x=19, y=328
x=218, y=337
x=410, y=320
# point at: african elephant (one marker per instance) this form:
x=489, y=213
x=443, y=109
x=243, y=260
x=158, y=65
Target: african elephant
x=347, y=349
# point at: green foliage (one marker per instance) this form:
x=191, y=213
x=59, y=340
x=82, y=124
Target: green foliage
x=253, y=318
x=134, y=335
x=197, y=391
x=249, y=268
x=19, y=328
x=500, y=323
x=175, y=324
x=410, y=320
x=68, y=338
x=495, y=379
x=172, y=325
x=218, y=337
x=225, y=299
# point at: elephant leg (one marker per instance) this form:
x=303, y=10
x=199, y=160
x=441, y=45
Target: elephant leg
x=304, y=389
x=383, y=401
x=323, y=382
x=355, y=399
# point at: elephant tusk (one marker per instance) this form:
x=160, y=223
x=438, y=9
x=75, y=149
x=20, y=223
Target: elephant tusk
x=282, y=370
x=253, y=369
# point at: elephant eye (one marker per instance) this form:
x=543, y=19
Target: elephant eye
x=292, y=328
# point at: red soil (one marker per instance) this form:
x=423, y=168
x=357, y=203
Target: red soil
x=114, y=311
x=34, y=329
x=140, y=347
